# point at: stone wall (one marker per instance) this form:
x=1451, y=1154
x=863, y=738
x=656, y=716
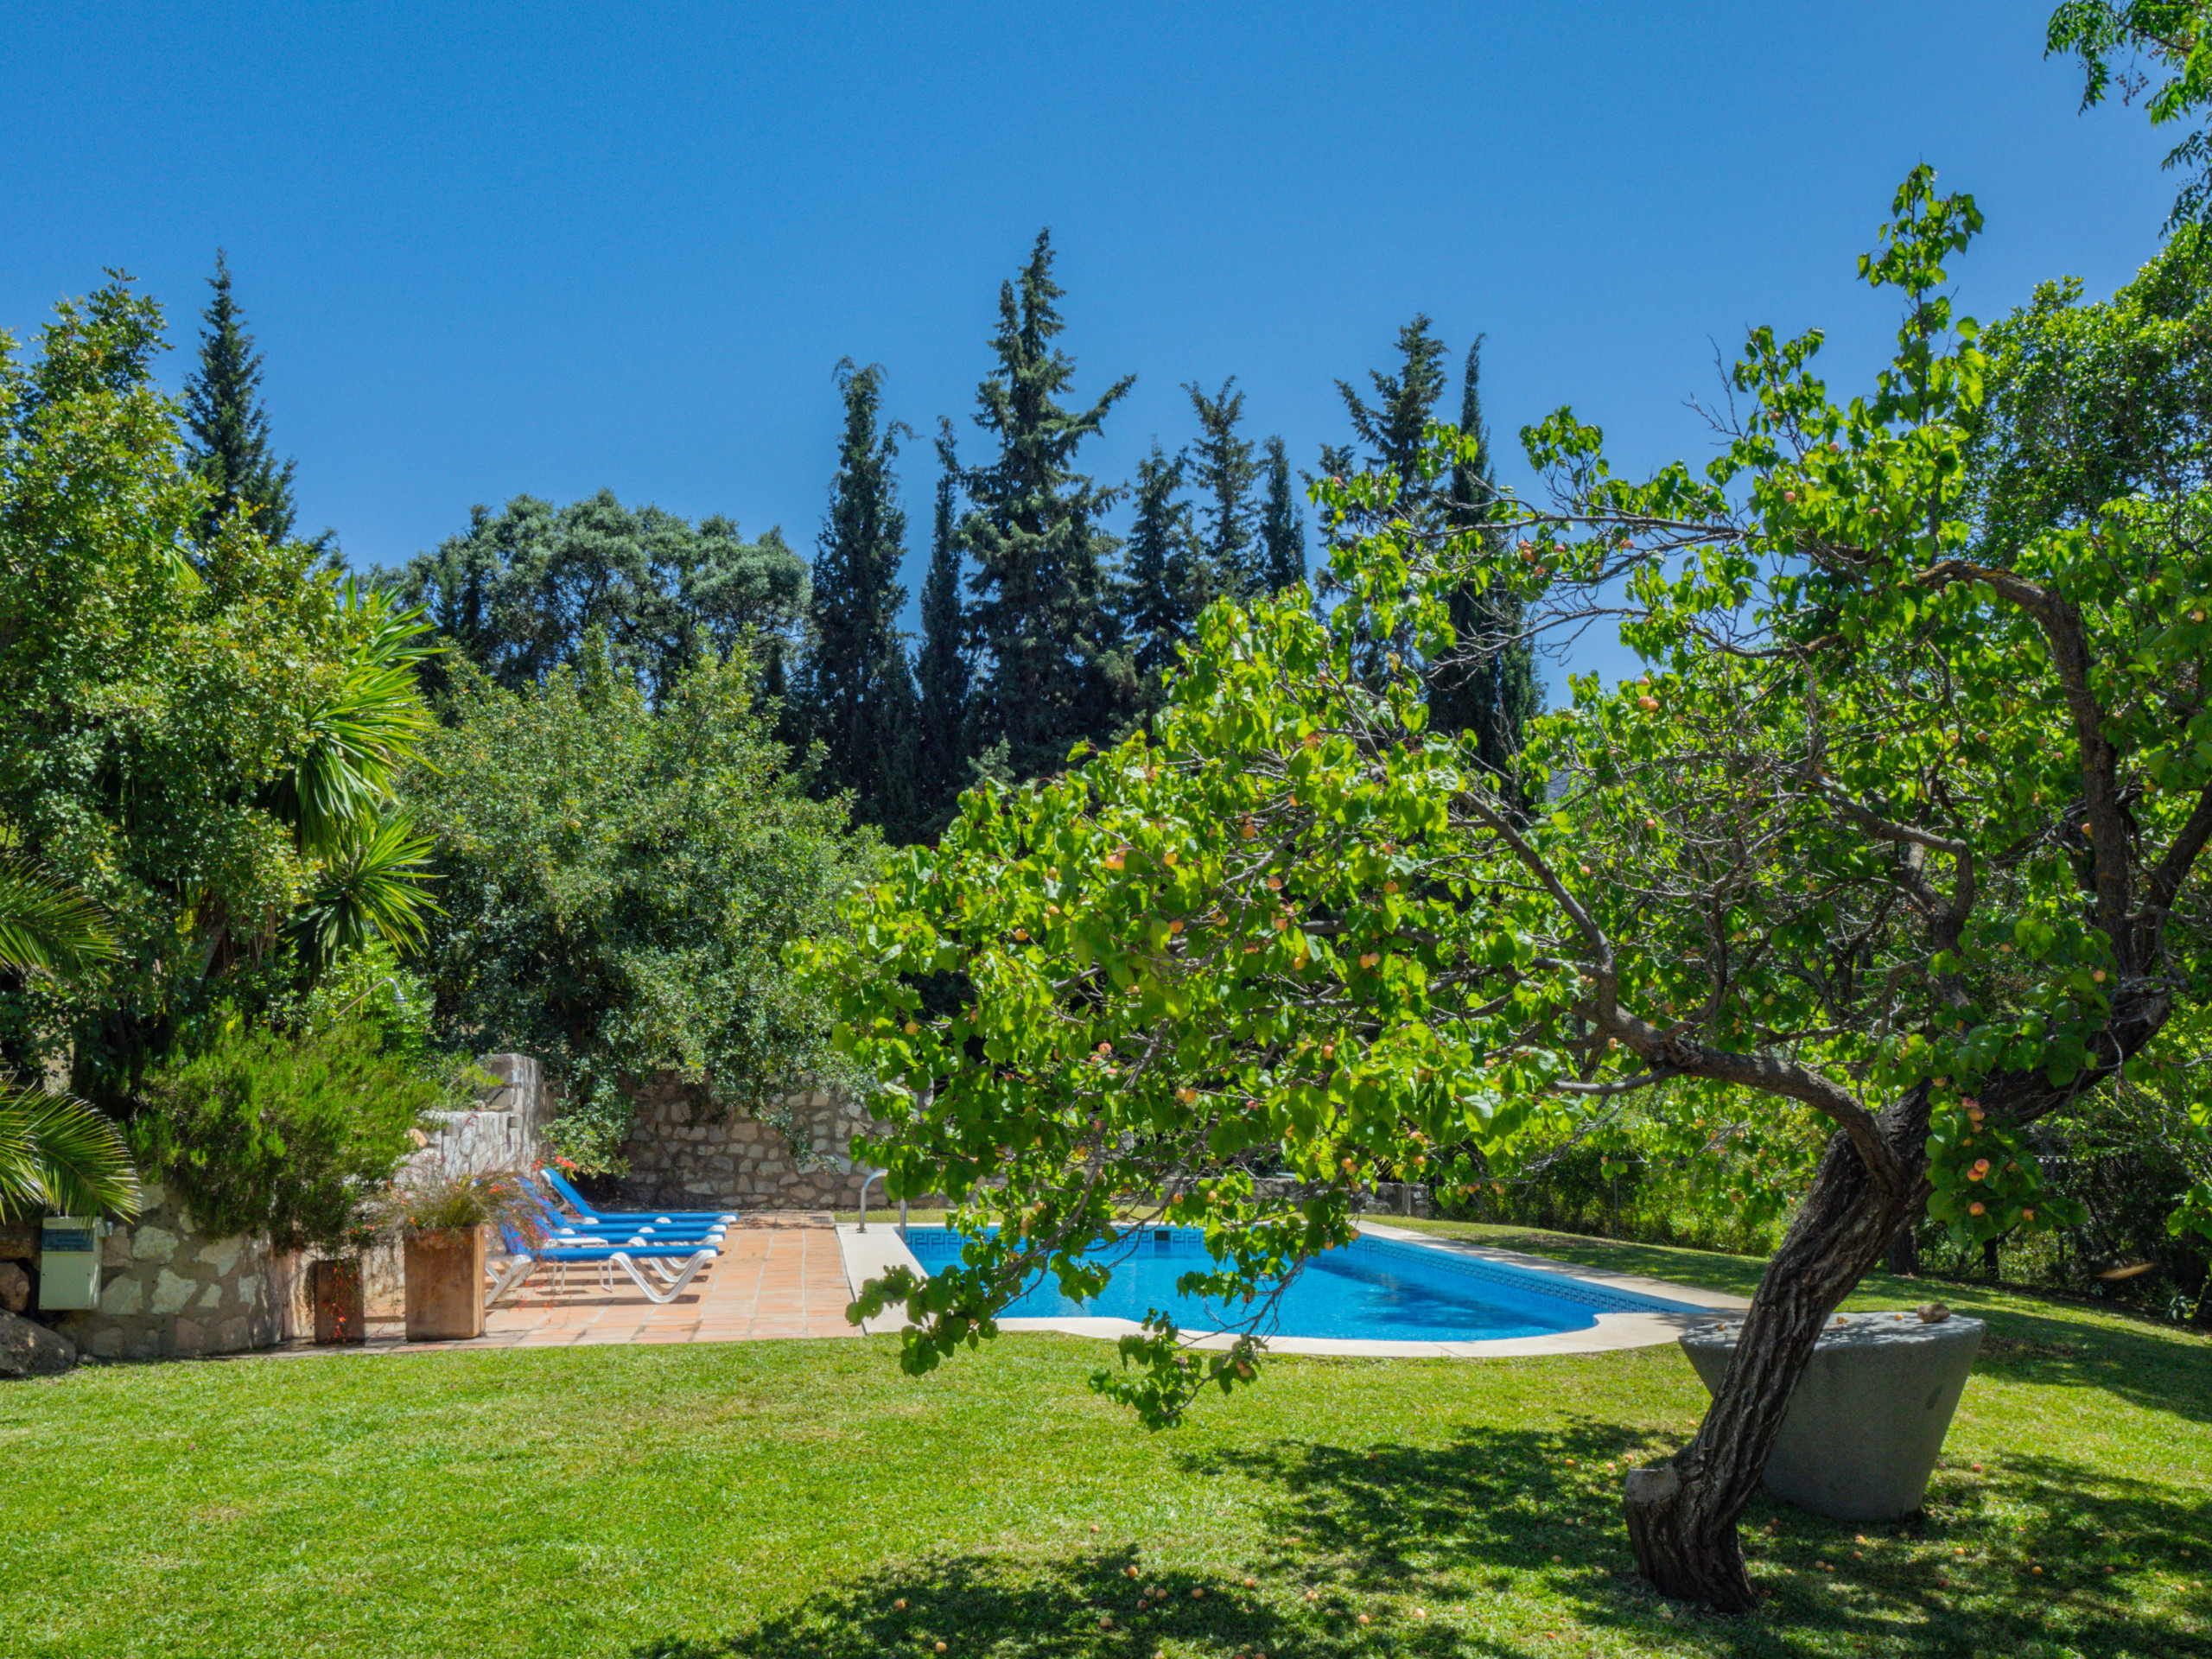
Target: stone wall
x=168, y=1291
x=682, y=1158
x=507, y=1131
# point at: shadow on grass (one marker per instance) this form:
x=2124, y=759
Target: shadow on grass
x=2122, y=1563
x=1511, y=1544
x=1079, y=1608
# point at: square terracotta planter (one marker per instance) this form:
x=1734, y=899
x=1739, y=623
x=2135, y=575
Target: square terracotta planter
x=339, y=1309
x=445, y=1286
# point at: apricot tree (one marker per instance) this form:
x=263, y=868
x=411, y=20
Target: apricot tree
x=1901, y=829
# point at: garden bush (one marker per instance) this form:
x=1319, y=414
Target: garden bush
x=287, y=1135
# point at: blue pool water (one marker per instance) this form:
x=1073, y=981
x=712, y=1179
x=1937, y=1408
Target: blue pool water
x=1374, y=1289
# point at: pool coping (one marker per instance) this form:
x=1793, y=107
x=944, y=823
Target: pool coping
x=870, y=1255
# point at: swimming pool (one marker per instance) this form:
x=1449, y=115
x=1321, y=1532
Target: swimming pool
x=1372, y=1288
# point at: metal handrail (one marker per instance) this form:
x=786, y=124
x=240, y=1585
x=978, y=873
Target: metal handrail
x=867, y=1178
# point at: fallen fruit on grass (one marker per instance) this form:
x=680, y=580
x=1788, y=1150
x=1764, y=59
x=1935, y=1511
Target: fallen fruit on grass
x=900, y=1605
x=1365, y=1619
x=940, y=1647
x=1198, y=1594
x=1251, y=1584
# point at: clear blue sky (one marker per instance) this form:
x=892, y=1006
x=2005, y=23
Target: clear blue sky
x=504, y=249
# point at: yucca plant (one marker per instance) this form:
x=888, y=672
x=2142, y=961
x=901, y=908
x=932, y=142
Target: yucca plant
x=376, y=887
x=365, y=728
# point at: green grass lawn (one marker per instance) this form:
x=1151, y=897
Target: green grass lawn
x=805, y=1499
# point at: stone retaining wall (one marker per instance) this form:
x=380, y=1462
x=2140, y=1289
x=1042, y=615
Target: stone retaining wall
x=168, y=1290
x=681, y=1157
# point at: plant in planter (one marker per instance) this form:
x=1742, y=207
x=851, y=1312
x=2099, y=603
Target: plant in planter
x=441, y=1216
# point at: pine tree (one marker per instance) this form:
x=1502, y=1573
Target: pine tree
x=1283, y=523
x=942, y=667
x=1163, y=562
x=1222, y=473
x=1052, y=673
x=1488, y=685
x=1407, y=401
x=229, y=428
x=1392, y=429
x=857, y=691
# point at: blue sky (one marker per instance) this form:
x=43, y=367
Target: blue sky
x=548, y=249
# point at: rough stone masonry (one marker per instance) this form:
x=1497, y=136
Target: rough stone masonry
x=682, y=1157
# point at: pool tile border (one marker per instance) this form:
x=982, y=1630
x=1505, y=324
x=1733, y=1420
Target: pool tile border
x=870, y=1255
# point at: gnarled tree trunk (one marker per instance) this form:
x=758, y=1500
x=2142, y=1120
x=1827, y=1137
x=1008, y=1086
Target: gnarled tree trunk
x=1682, y=1513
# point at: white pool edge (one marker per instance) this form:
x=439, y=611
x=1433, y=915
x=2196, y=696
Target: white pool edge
x=874, y=1253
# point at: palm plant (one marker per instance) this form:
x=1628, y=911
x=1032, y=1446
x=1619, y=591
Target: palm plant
x=374, y=886
x=366, y=727
x=46, y=925
x=55, y=1151
x=371, y=880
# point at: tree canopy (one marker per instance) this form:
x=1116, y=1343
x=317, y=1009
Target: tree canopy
x=204, y=732
x=231, y=448
x=1049, y=670
x=618, y=879
x=856, y=697
x=518, y=592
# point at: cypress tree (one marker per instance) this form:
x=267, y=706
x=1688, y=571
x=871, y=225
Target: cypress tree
x=858, y=692
x=1488, y=685
x=1223, y=472
x=1162, y=561
x=1051, y=671
x=1283, y=523
x=942, y=667
x=229, y=429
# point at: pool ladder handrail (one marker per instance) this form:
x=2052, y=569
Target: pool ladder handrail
x=868, y=1178
x=877, y=1175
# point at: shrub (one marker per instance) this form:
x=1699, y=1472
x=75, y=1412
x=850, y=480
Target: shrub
x=283, y=1135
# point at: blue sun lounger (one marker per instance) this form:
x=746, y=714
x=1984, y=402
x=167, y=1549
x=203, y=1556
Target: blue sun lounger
x=568, y=1231
x=587, y=1215
x=678, y=1261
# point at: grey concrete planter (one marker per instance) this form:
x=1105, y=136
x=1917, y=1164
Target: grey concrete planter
x=1869, y=1415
